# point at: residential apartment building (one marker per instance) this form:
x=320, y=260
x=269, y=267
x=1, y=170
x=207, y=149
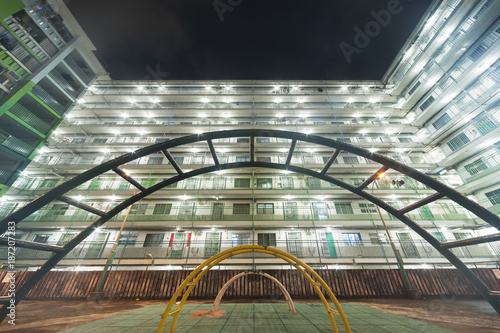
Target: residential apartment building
x=436, y=109
x=46, y=64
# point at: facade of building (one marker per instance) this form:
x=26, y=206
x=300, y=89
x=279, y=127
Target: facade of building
x=436, y=109
x=46, y=64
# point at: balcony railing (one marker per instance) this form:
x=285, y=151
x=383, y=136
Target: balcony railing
x=56, y=76
x=73, y=65
x=4, y=176
x=280, y=212
x=324, y=250
x=48, y=99
x=15, y=144
x=22, y=113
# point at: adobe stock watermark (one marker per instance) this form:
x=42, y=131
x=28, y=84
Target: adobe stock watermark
x=362, y=38
x=155, y=74
x=222, y=7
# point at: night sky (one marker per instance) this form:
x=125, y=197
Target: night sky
x=257, y=39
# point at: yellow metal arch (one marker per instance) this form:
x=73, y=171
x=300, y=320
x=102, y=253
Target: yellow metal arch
x=193, y=278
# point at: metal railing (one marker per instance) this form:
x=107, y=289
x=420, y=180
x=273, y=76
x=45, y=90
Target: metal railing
x=15, y=144
x=22, y=113
x=48, y=99
x=310, y=249
x=73, y=65
x=280, y=212
x=4, y=176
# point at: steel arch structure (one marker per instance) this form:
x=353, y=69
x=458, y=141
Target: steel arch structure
x=442, y=190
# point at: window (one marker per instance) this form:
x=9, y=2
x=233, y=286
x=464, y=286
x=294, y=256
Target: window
x=327, y=158
x=153, y=240
x=291, y=211
x=148, y=182
x=261, y=123
x=477, y=166
x=100, y=140
x=191, y=183
x=242, y=182
x=266, y=239
x=263, y=159
x=426, y=213
x=197, y=159
x=458, y=142
x=123, y=185
x=95, y=184
x=212, y=244
x=240, y=239
x=320, y=210
x=162, y=209
x=313, y=183
x=39, y=238
x=265, y=208
x=158, y=140
x=343, y=208
x=485, y=125
x=427, y=103
x=179, y=160
x=138, y=209
x=405, y=140
x=367, y=208
x=344, y=140
x=264, y=182
x=65, y=238
x=48, y=183
x=78, y=140
x=243, y=140
x=263, y=140
x=350, y=160
x=244, y=123
x=219, y=183
x=417, y=159
x=242, y=159
x=155, y=160
x=128, y=239
x=286, y=182
x=186, y=211
x=241, y=209
x=58, y=209
x=352, y=239
x=441, y=121
x=494, y=197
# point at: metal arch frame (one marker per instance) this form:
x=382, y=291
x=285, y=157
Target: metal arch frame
x=222, y=291
x=193, y=278
x=58, y=193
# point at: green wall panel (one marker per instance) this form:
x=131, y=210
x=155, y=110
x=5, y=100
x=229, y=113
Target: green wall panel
x=9, y=7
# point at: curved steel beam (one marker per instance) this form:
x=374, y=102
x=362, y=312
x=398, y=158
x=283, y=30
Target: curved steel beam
x=62, y=189
x=314, y=279
x=218, y=299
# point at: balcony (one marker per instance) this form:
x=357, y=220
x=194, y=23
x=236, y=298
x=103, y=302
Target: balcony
x=412, y=251
x=48, y=99
x=24, y=114
x=15, y=144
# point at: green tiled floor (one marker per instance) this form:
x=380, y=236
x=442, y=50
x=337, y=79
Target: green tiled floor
x=261, y=318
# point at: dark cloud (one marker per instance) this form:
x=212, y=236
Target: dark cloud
x=257, y=40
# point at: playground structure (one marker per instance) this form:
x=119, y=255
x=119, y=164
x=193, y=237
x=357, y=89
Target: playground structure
x=222, y=291
x=314, y=279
